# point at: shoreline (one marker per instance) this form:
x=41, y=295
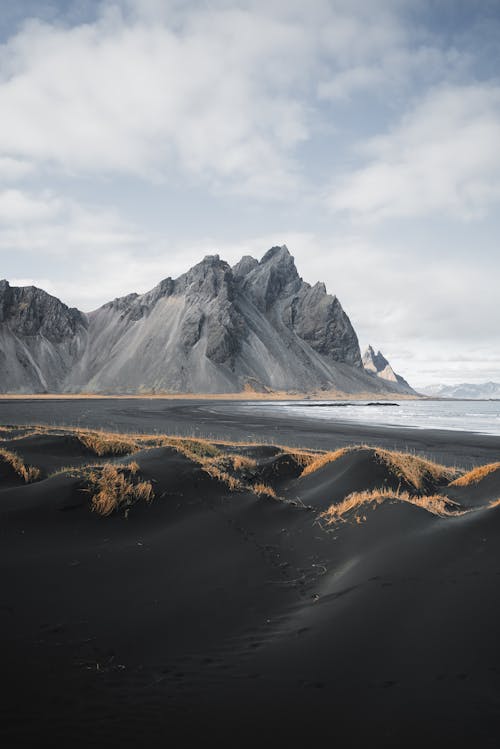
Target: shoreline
x=210, y=419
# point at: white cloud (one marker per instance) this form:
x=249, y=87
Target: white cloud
x=12, y=170
x=223, y=92
x=54, y=226
x=214, y=98
x=17, y=207
x=442, y=158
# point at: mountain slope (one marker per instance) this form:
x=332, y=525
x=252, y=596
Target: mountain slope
x=213, y=329
x=40, y=339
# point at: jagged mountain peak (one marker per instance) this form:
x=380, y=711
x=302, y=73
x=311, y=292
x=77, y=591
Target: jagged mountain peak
x=377, y=364
x=244, y=266
x=273, y=278
x=276, y=254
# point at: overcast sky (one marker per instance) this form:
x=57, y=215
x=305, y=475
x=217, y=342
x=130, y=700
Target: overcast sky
x=136, y=136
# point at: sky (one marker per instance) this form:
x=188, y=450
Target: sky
x=137, y=136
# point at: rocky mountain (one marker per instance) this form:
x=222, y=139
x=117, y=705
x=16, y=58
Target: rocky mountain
x=377, y=364
x=484, y=390
x=256, y=326
x=40, y=340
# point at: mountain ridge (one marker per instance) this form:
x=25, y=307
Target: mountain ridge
x=215, y=328
x=467, y=390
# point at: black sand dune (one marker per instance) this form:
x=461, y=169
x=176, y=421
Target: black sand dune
x=354, y=471
x=215, y=612
x=478, y=492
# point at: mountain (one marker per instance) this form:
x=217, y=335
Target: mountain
x=40, y=340
x=256, y=326
x=467, y=390
x=377, y=364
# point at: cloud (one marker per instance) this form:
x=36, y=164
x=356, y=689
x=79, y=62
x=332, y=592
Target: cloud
x=54, y=227
x=17, y=207
x=11, y=170
x=213, y=98
x=443, y=158
x=223, y=93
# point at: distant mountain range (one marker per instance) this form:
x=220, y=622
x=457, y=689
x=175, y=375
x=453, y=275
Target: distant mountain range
x=464, y=390
x=256, y=326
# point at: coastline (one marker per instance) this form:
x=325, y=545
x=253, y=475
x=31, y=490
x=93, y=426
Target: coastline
x=210, y=418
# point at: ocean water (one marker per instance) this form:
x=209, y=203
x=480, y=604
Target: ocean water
x=469, y=416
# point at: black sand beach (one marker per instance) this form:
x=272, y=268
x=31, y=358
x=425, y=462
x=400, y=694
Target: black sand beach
x=227, y=420
x=217, y=612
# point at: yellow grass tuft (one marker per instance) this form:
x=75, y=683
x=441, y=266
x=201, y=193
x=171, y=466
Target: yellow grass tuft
x=107, y=443
x=262, y=490
x=476, y=475
x=413, y=469
x=405, y=466
x=316, y=461
x=190, y=447
x=27, y=473
x=112, y=488
x=216, y=472
x=242, y=463
x=437, y=504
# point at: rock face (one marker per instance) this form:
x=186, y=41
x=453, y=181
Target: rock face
x=40, y=339
x=213, y=329
x=377, y=364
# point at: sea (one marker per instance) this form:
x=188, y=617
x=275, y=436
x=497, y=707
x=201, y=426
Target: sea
x=482, y=417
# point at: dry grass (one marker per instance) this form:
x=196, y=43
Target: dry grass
x=436, y=504
x=112, y=488
x=214, y=470
x=414, y=470
x=238, y=472
x=107, y=443
x=192, y=448
x=213, y=461
x=242, y=463
x=476, y=475
x=315, y=461
x=320, y=395
x=27, y=473
x=262, y=490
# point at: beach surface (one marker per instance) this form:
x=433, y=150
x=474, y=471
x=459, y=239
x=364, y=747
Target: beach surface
x=231, y=602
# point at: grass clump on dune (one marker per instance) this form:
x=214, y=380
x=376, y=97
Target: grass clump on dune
x=114, y=487
x=263, y=490
x=436, y=504
x=415, y=470
x=27, y=473
x=195, y=449
x=107, y=443
x=314, y=461
x=224, y=467
x=476, y=475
